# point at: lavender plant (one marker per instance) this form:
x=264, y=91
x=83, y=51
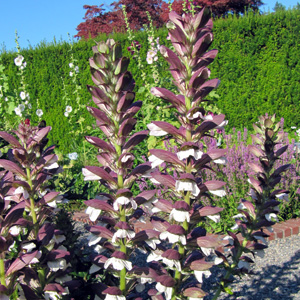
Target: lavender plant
x=33, y=260
x=192, y=251
x=116, y=236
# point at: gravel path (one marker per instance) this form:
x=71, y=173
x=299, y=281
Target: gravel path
x=276, y=276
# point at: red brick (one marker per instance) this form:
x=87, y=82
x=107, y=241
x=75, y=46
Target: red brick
x=293, y=225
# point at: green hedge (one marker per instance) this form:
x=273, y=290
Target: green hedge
x=258, y=65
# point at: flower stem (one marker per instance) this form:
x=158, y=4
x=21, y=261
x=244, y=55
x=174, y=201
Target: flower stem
x=33, y=214
x=229, y=272
x=123, y=271
x=2, y=272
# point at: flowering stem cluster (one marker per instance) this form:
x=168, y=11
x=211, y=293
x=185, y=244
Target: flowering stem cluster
x=32, y=257
x=260, y=213
x=115, y=237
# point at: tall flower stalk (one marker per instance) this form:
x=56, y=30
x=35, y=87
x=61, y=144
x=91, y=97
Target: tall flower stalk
x=116, y=234
x=179, y=171
x=256, y=216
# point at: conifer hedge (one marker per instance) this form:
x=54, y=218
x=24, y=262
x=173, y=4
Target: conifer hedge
x=258, y=65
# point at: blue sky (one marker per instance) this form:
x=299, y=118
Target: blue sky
x=40, y=20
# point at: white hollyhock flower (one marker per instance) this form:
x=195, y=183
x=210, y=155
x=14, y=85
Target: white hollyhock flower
x=19, y=60
x=164, y=289
x=155, y=130
x=18, y=111
x=179, y=215
x=71, y=65
x=189, y=186
x=71, y=74
x=23, y=95
x=39, y=112
x=199, y=275
x=118, y=264
x=68, y=108
x=93, y=213
x=155, y=161
x=66, y=114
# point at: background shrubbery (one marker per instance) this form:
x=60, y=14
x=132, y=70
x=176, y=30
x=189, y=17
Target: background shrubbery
x=258, y=64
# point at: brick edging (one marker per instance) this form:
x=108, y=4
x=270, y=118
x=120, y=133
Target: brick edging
x=280, y=230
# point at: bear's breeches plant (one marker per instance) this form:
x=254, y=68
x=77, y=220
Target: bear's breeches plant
x=168, y=222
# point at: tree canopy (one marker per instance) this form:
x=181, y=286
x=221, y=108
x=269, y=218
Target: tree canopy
x=97, y=20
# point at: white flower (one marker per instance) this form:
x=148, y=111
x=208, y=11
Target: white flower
x=172, y=263
x=220, y=192
x=283, y=196
x=179, y=215
x=221, y=161
x=123, y=201
x=24, y=64
x=293, y=127
x=68, y=108
x=6, y=99
x=15, y=230
x=94, y=239
x=93, y=213
x=21, y=190
x=23, y=95
x=123, y=233
x=52, y=295
x=73, y=155
x=216, y=218
x=114, y=297
x=155, y=130
x=271, y=216
x=29, y=246
x=118, y=264
x=155, y=161
x=71, y=74
x=22, y=107
x=199, y=275
x=151, y=53
x=52, y=163
x=19, y=60
x=207, y=251
x=189, y=186
x=152, y=243
x=59, y=264
x=29, y=105
x=229, y=239
x=149, y=60
x=66, y=114
x=39, y=112
x=163, y=289
x=71, y=65
x=18, y=111
x=88, y=175
x=153, y=256
x=173, y=238
x=197, y=154
x=76, y=69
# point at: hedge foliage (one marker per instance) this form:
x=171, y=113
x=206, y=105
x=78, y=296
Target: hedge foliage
x=258, y=65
